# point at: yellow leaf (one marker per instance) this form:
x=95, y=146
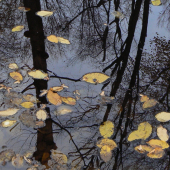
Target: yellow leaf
x=13, y=66
x=105, y=153
x=27, y=104
x=57, y=88
x=162, y=133
x=8, y=112
x=54, y=98
x=52, y=38
x=8, y=123
x=69, y=100
x=158, y=143
x=156, y=153
x=24, y=9
x=118, y=14
x=143, y=148
x=63, y=40
x=30, y=98
x=149, y=103
x=38, y=74
x=16, y=76
x=107, y=129
x=59, y=157
x=163, y=116
x=41, y=115
x=107, y=142
x=18, y=28
x=144, y=98
x=143, y=132
x=156, y=2
x=44, y=13
x=95, y=78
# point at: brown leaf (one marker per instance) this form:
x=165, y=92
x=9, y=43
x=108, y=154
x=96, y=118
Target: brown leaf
x=156, y=153
x=54, y=98
x=69, y=100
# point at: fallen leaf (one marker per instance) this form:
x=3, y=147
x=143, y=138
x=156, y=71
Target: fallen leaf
x=163, y=116
x=13, y=66
x=44, y=13
x=69, y=100
x=106, y=129
x=52, y=38
x=8, y=123
x=158, y=143
x=105, y=153
x=156, y=153
x=107, y=142
x=118, y=14
x=18, y=28
x=37, y=74
x=57, y=88
x=8, y=112
x=24, y=9
x=63, y=40
x=143, y=98
x=143, y=148
x=54, y=98
x=162, y=133
x=17, y=161
x=156, y=2
x=27, y=105
x=16, y=101
x=41, y=115
x=77, y=92
x=30, y=98
x=6, y=156
x=43, y=92
x=149, y=103
x=59, y=157
x=16, y=76
x=61, y=110
x=143, y=132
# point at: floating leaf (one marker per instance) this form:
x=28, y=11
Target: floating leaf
x=95, y=78
x=41, y=115
x=44, y=13
x=107, y=129
x=107, y=142
x=162, y=133
x=57, y=88
x=13, y=66
x=54, y=98
x=59, y=157
x=6, y=156
x=69, y=100
x=17, y=161
x=27, y=104
x=149, y=103
x=8, y=112
x=43, y=92
x=106, y=153
x=55, y=39
x=118, y=14
x=24, y=9
x=16, y=76
x=18, y=28
x=30, y=98
x=158, y=143
x=143, y=132
x=156, y=153
x=144, y=98
x=156, y=2
x=143, y=148
x=61, y=110
x=8, y=123
x=63, y=40
x=38, y=74
x=16, y=101
x=163, y=116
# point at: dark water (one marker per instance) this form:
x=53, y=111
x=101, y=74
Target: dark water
x=132, y=49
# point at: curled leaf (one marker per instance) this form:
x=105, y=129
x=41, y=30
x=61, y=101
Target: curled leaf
x=106, y=129
x=69, y=100
x=143, y=148
x=24, y=9
x=18, y=28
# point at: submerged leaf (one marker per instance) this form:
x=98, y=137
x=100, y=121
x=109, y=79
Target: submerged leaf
x=16, y=76
x=69, y=100
x=107, y=142
x=27, y=105
x=107, y=129
x=44, y=13
x=95, y=78
x=18, y=28
x=54, y=98
x=6, y=156
x=158, y=143
x=106, y=153
x=143, y=148
x=59, y=157
x=144, y=98
x=8, y=112
x=13, y=66
x=38, y=74
x=163, y=116
x=17, y=161
x=30, y=98
x=162, y=133
x=24, y=9
x=41, y=115
x=8, y=123
x=156, y=153
x=118, y=14
x=156, y=2
x=149, y=103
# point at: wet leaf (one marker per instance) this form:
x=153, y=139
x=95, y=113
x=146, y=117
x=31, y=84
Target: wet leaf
x=95, y=78
x=143, y=98
x=156, y=153
x=27, y=105
x=118, y=14
x=61, y=110
x=38, y=74
x=162, y=133
x=8, y=112
x=57, y=88
x=59, y=157
x=143, y=148
x=18, y=28
x=41, y=115
x=8, y=123
x=13, y=66
x=17, y=161
x=163, y=116
x=54, y=98
x=156, y=2
x=105, y=153
x=69, y=100
x=30, y=98
x=158, y=143
x=43, y=92
x=107, y=129
x=52, y=38
x=149, y=103
x=24, y=9
x=63, y=40
x=40, y=124
x=107, y=142
x=143, y=132
x=44, y=13
x=16, y=101
x=6, y=156
x=16, y=76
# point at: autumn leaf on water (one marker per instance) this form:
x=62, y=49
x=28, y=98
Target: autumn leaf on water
x=30, y=98
x=24, y=9
x=163, y=116
x=8, y=123
x=8, y=112
x=156, y=153
x=54, y=98
x=107, y=142
x=63, y=40
x=38, y=74
x=59, y=157
x=95, y=78
x=16, y=76
x=43, y=92
x=44, y=13
x=69, y=100
x=118, y=14
x=158, y=143
x=41, y=115
x=156, y=2
x=105, y=153
x=143, y=148
x=17, y=161
x=143, y=132
x=13, y=66
x=162, y=133
x=106, y=129
x=55, y=39
x=27, y=105
x=18, y=28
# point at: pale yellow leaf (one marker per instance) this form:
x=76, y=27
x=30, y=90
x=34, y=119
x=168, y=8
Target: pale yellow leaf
x=143, y=148
x=8, y=123
x=156, y=153
x=156, y=2
x=106, y=153
x=118, y=14
x=18, y=28
x=8, y=112
x=158, y=143
x=17, y=161
x=95, y=78
x=61, y=110
x=44, y=13
x=54, y=98
x=30, y=98
x=163, y=116
x=27, y=105
x=59, y=157
x=107, y=142
x=57, y=88
x=162, y=133
x=13, y=66
x=106, y=129
x=43, y=92
x=52, y=38
x=41, y=115
x=63, y=40
x=69, y=100
x=24, y=9
x=38, y=74
x=149, y=103
x=16, y=76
